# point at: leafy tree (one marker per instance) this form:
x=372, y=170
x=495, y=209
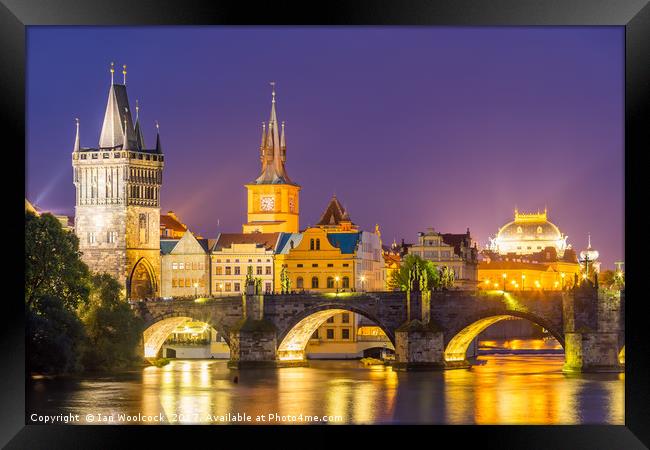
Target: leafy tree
x=53, y=267
x=114, y=331
x=56, y=282
x=55, y=337
x=415, y=273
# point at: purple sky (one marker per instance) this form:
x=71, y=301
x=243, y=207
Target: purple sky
x=410, y=127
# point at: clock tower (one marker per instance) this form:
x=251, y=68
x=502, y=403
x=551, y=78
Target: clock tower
x=272, y=198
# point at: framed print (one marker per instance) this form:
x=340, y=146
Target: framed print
x=382, y=217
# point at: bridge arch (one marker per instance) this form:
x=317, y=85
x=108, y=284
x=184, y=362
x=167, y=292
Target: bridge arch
x=621, y=356
x=159, y=329
x=294, y=338
x=459, y=342
x=142, y=280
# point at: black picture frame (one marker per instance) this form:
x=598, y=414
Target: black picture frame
x=634, y=15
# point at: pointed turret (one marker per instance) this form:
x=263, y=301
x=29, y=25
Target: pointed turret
x=273, y=150
x=158, y=146
x=138, y=129
x=125, y=140
x=77, y=146
x=117, y=113
x=263, y=146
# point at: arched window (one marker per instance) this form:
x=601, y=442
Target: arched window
x=330, y=283
x=317, y=244
x=311, y=244
x=299, y=283
x=314, y=282
x=346, y=282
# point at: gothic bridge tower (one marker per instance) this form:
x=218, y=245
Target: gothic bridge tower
x=272, y=198
x=117, y=209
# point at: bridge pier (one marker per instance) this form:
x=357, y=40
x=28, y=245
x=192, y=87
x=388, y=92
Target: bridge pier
x=419, y=346
x=591, y=328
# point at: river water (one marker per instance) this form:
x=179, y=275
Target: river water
x=506, y=389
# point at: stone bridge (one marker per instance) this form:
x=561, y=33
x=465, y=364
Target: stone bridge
x=430, y=330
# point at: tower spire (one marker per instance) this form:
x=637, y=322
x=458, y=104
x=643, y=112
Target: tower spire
x=76, y=139
x=112, y=69
x=158, y=146
x=139, y=137
x=125, y=144
x=124, y=73
x=283, y=143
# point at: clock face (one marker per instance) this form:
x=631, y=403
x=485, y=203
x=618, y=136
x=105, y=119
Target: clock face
x=291, y=204
x=267, y=203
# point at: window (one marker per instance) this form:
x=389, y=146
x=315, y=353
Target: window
x=315, y=335
x=237, y=287
x=237, y=270
x=330, y=282
x=298, y=265
x=330, y=319
x=237, y=260
x=228, y=270
x=267, y=287
x=330, y=333
x=112, y=237
x=218, y=270
x=299, y=283
x=311, y=244
x=259, y=260
x=345, y=317
x=346, y=282
x=174, y=282
x=330, y=265
x=345, y=333
x=268, y=270
x=317, y=244
x=143, y=231
x=314, y=282
x=181, y=266
x=258, y=270
x=314, y=265
x=228, y=287
x=346, y=265
x=91, y=238
x=250, y=260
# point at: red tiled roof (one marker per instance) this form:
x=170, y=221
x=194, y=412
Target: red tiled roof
x=170, y=223
x=224, y=240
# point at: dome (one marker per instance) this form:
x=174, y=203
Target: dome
x=527, y=234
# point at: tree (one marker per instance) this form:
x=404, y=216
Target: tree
x=415, y=273
x=53, y=267
x=447, y=277
x=56, y=283
x=113, y=330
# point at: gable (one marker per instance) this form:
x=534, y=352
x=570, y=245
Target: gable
x=188, y=245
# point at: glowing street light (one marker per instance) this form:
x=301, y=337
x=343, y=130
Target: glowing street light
x=196, y=286
x=363, y=279
x=504, y=281
x=562, y=275
x=523, y=282
x=220, y=288
x=337, y=283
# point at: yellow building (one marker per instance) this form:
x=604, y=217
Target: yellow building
x=185, y=267
x=273, y=199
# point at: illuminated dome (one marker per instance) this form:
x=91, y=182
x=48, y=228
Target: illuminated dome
x=528, y=233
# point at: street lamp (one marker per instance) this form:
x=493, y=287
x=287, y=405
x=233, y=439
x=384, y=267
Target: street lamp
x=196, y=286
x=562, y=275
x=363, y=278
x=337, y=283
x=523, y=282
x=220, y=288
x=504, y=281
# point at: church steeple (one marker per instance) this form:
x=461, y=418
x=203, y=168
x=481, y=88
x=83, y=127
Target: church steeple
x=273, y=150
x=158, y=146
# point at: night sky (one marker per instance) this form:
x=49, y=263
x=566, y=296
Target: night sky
x=409, y=127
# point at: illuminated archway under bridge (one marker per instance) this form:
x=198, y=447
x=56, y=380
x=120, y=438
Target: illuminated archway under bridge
x=156, y=334
x=426, y=330
x=295, y=339
x=456, y=348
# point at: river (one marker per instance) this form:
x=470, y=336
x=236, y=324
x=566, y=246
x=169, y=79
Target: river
x=506, y=389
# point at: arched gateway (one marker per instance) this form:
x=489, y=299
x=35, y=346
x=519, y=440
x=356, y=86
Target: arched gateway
x=428, y=330
x=142, y=280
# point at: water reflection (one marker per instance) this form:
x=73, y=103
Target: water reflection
x=507, y=389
